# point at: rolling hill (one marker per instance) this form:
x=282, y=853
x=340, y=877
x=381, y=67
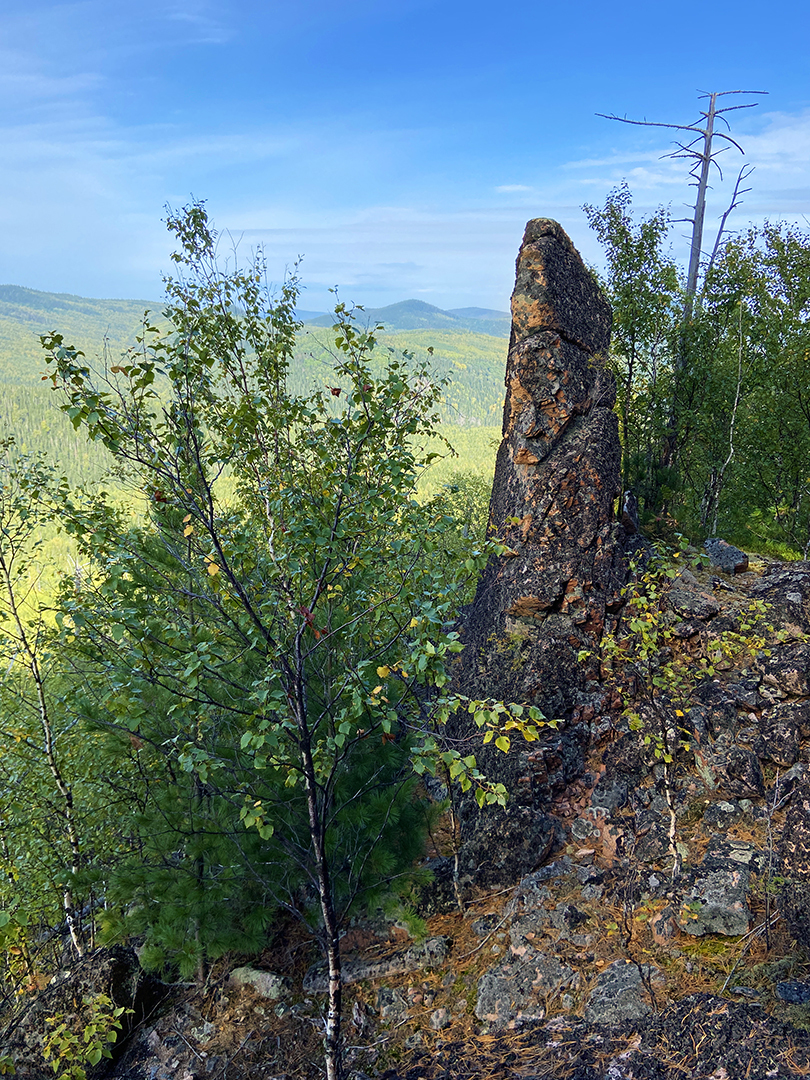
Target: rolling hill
x=417, y=315
x=468, y=345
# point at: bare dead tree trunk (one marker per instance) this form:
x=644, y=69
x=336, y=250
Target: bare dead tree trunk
x=703, y=158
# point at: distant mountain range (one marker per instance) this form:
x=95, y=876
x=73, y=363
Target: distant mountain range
x=466, y=345
x=417, y=315
x=88, y=323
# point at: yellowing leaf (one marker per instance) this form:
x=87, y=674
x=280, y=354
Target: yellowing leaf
x=186, y=519
x=376, y=690
x=383, y=672
x=213, y=569
x=188, y=531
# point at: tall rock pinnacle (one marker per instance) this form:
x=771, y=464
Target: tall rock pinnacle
x=556, y=479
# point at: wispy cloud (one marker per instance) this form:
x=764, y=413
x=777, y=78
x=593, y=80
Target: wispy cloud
x=202, y=26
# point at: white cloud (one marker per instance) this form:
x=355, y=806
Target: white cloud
x=202, y=26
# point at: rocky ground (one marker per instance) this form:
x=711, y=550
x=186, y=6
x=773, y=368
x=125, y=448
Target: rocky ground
x=597, y=964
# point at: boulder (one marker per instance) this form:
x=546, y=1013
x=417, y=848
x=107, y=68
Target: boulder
x=787, y=669
x=726, y=557
x=794, y=857
x=515, y=990
x=785, y=588
x=778, y=741
x=622, y=993
x=794, y=715
x=692, y=603
x=113, y=971
x=715, y=894
x=265, y=983
x=429, y=953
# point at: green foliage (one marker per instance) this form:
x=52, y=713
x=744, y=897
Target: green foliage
x=661, y=678
x=658, y=677
x=74, y=1042
x=25, y=314
x=264, y=648
x=643, y=288
x=473, y=363
x=49, y=772
x=759, y=294
x=722, y=381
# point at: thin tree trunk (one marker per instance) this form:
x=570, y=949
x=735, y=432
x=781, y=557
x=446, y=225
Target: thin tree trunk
x=727, y=462
x=62, y=787
x=333, y=1051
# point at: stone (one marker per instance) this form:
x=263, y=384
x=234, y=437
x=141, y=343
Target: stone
x=722, y=815
x=391, y=1005
x=726, y=557
x=112, y=971
x=620, y=994
x=721, y=852
x=430, y=953
x=692, y=604
x=515, y=989
x=790, y=714
x=794, y=864
x=788, y=668
x=778, y=741
x=651, y=842
x=265, y=983
x=740, y=773
x=439, y=1019
x=611, y=793
x=438, y=894
x=624, y=761
x=787, y=783
x=793, y=992
x=500, y=847
x=715, y=899
x=745, y=692
x=785, y=588
x=720, y=711
x=536, y=608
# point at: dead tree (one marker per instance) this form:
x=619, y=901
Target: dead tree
x=700, y=150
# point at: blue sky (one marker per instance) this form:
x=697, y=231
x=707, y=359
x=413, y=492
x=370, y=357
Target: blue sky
x=398, y=147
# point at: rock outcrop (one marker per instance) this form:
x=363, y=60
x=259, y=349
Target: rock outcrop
x=544, y=602
x=114, y=972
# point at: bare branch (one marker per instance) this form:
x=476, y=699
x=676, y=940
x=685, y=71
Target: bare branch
x=744, y=173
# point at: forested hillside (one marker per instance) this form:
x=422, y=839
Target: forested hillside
x=472, y=358
x=27, y=313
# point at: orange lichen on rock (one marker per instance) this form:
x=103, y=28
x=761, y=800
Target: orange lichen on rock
x=524, y=456
x=540, y=607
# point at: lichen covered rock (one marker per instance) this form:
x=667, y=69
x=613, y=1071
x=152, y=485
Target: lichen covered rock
x=556, y=478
